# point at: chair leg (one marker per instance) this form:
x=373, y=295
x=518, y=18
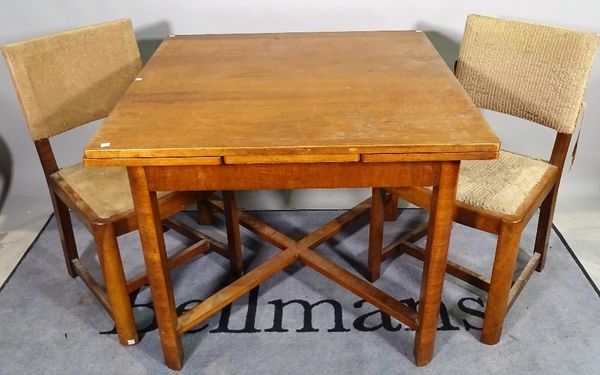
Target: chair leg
x=505, y=260
x=204, y=213
x=116, y=284
x=391, y=208
x=376, y=234
x=65, y=230
x=545, y=227
x=234, y=241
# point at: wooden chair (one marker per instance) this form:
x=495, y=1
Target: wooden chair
x=71, y=78
x=534, y=72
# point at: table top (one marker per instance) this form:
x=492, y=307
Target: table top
x=342, y=96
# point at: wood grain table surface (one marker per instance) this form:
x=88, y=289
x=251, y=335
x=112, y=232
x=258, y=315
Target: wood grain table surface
x=294, y=111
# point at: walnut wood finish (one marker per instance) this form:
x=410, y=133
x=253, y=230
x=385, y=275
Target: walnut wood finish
x=115, y=281
x=261, y=229
x=298, y=175
x=232, y=222
x=434, y=266
x=307, y=94
x=443, y=175
x=290, y=111
x=376, y=233
x=68, y=79
x=181, y=257
x=180, y=227
x=363, y=289
x=151, y=235
x=559, y=154
x=114, y=294
x=391, y=208
x=205, y=213
x=404, y=246
x=326, y=231
x=502, y=291
x=506, y=66
x=233, y=291
x=67, y=238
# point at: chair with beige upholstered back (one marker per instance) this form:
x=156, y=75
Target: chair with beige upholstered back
x=534, y=72
x=72, y=78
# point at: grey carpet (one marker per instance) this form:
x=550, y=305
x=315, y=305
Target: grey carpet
x=50, y=323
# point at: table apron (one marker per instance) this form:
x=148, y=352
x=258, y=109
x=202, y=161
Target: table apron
x=292, y=176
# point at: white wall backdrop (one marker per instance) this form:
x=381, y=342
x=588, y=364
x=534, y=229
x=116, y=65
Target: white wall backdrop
x=24, y=201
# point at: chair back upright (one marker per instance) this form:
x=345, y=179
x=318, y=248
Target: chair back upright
x=71, y=78
x=535, y=72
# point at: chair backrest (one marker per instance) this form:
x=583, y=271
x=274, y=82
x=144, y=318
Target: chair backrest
x=68, y=79
x=531, y=71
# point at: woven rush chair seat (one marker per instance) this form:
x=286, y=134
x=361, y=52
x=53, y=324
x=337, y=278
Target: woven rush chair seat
x=535, y=72
x=501, y=185
x=105, y=190
x=72, y=78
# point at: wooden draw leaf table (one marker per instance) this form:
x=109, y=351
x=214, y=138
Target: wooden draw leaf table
x=294, y=111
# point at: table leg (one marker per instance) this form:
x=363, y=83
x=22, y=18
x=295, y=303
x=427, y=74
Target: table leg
x=376, y=234
x=155, y=257
x=234, y=241
x=391, y=208
x=434, y=268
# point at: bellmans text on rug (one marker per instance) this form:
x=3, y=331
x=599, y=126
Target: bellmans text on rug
x=299, y=322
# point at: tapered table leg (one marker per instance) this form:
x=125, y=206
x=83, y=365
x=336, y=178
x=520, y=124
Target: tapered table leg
x=434, y=268
x=155, y=257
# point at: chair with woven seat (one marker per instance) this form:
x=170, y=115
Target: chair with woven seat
x=535, y=72
x=68, y=79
